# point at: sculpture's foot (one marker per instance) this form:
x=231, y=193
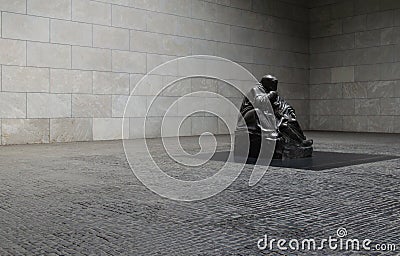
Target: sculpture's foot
x=307, y=143
x=291, y=152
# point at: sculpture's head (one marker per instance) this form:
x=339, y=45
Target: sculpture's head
x=270, y=83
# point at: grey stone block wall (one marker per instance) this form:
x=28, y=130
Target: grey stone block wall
x=67, y=66
x=355, y=65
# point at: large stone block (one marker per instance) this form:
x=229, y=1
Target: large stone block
x=239, y=53
x=162, y=44
x=285, y=42
x=18, y=6
x=332, y=43
x=160, y=105
x=156, y=22
x=203, y=47
x=91, y=12
x=355, y=123
x=131, y=62
x=368, y=38
x=390, y=36
x=67, y=32
x=322, y=44
x=342, y=74
x=397, y=17
x=91, y=105
x=371, y=55
x=390, y=71
x=55, y=8
x=396, y=128
x=189, y=27
x=112, y=38
x=204, y=10
x=326, y=28
x=320, y=13
x=366, y=107
x=110, y=83
x=70, y=81
x=389, y=4
x=332, y=107
x=136, y=129
x=397, y=89
x=267, y=56
x=25, y=27
x=380, y=20
x=48, y=55
x=150, y=85
x=325, y=91
x=355, y=24
x=176, y=88
x=366, y=6
x=110, y=128
x=355, y=90
x=267, y=40
x=12, y=105
x=12, y=52
x=152, y=128
x=326, y=60
x=145, y=4
x=23, y=131
x=397, y=53
x=263, y=6
x=342, y=9
x=126, y=17
x=290, y=75
x=177, y=7
x=390, y=106
x=176, y=126
x=242, y=4
x=326, y=123
x=142, y=41
x=381, y=123
x=137, y=106
x=210, y=85
x=25, y=79
x=91, y=58
x=243, y=36
x=316, y=3
x=156, y=61
x=223, y=128
x=295, y=91
x=201, y=125
x=175, y=45
x=217, y=32
x=367, y=73
x=381, y=89
x=71, y=129
x=43, y=105
x=221, y=107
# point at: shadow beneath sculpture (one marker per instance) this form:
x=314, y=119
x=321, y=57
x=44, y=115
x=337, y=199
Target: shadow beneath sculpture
x=320, y=160
x=268, y=127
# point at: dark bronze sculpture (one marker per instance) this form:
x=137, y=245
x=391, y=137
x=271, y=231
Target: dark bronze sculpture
x=257, y=123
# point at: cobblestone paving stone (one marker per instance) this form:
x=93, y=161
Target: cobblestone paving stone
x=82, y=199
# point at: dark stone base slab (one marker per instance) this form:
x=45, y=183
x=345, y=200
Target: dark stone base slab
x=320, y=160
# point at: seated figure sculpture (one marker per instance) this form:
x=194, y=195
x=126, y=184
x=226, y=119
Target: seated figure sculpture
x=258, y=123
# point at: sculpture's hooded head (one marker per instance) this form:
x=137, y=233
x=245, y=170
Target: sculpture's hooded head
x=270, y=83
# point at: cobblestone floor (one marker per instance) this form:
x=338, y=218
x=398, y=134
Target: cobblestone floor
x=82, y=199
